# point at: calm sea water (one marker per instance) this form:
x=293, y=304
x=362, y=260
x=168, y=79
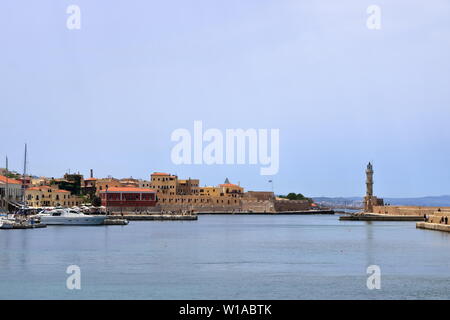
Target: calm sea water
x=228, y=257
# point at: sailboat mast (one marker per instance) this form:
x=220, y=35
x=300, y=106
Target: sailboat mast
x=24, y=176
x=7, y=186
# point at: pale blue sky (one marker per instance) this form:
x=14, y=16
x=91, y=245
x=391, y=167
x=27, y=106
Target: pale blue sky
x=109, y=95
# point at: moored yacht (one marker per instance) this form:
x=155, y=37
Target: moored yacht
x=6, y=223
x=70, y=217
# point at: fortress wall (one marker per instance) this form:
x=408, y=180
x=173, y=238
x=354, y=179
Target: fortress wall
x=258, y=205
x=292, y=205
x=245, y=204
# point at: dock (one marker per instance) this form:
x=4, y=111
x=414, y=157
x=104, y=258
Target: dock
x=249, y=213
x=307, y=212
x=17, y=226
x=380, y=217
x=433, y=226
x=155, y=217
x=115, y=222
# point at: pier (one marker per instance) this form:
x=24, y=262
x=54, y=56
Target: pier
x=249, y=213
x=433, y=226
x=16, y=226
x=380, y=217
x=155, y=217
x=115, y=222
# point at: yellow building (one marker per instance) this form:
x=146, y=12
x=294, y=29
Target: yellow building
x=210, y=191
x=164, y=183
x=232, y=190
x=187, y=187
x=45, y=196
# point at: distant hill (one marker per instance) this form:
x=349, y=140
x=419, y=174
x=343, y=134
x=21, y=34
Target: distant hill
x=436, y=201
x=432, y=201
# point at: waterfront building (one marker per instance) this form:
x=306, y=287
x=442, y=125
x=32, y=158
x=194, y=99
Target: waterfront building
x=88, y=187
x=187, y=187
x=231, y=189
x=164, y=183
x=10, y=192
x=210, y=191
x=50, y=196
x=105, y=183
x=128, y=199
x=25, y=181
x=89, y=183
x=145, y=184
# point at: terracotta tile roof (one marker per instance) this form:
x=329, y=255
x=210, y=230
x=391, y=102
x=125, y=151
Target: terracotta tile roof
x=62, y=191
x=229, y=185
x=9, y=180
x=160, y=174
x=90, y=179
x=128, y=189
x=39, y=188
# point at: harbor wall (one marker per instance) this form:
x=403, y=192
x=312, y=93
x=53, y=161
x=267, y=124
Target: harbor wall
x=291, y=205
x=433, y=226
x=432, y=215
x=407, y=210
x=242, y=205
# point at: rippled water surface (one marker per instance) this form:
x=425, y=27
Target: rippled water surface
x=228, y=257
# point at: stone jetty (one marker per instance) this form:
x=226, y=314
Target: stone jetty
x=433, y=226
x=380, y=217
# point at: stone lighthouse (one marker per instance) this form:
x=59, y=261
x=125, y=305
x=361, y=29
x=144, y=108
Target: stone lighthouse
x=369, y=180
x=369, y=199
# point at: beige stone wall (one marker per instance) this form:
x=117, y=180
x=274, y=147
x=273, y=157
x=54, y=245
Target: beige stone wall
x=439, y=215
x=188, y=201
x=292, y=205
x=406, y=210
x=213, y=204
x=260, y=195
x=255, y=205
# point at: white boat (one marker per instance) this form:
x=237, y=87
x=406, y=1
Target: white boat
x=6, y=223
x=70, y=217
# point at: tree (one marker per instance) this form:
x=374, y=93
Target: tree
x=295, y=196
x=96, y=201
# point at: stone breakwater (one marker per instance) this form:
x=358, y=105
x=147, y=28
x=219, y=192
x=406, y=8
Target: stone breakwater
x=433, y=226
x=381, y=217
x=302, y=212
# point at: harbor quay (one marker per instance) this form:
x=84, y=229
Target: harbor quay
x=163, y=197
x=166, y=197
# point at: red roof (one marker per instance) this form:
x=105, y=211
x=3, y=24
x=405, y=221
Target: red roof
x=39, y=188
x=160, y=174
x=9, y=180
x=62, y=191
x=128, y=189
x=90, y=179
x=229, y=185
